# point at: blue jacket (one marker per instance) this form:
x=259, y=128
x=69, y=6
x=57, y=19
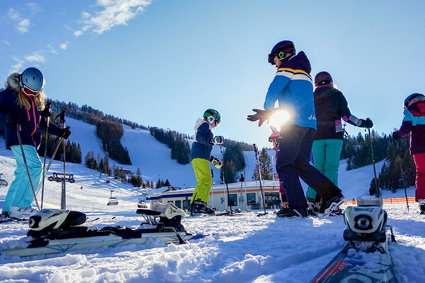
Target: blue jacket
x=31, y=123
x=292, y=87
x=202, y=146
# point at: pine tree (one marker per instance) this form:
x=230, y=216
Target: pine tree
x=265, y=167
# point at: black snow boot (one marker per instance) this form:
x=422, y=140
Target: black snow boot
x=331, y=205
x=290, y=212
x=200, y=207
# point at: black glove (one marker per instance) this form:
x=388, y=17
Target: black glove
x=366, y=123
x=217, y=163
x=46, y=111
x=261, y=115
x=396, y=137
x=64, y=133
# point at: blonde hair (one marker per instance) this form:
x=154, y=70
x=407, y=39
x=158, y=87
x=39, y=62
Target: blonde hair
x=13, y=82
x=39, y=100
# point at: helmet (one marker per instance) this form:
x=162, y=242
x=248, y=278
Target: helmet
x=212, y=116
x=280, y=50
x=411, y=97
x=33, y=79
x=323, y=78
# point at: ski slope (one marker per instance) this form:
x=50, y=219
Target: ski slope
x=243, y=248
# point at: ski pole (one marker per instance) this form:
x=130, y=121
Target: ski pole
x=47, y=113
x=261, y=185
x=18, y=128
x=61, y=117
x=224, y=182
x=377, y=192
x=403, y=183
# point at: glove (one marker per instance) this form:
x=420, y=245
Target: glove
x=217, y=163
x=366, y=123
x=218, y=140
x=260, y=115
x=64, y=133
x=396, y=137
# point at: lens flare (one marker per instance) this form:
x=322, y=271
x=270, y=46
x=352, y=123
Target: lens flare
x=279, y=118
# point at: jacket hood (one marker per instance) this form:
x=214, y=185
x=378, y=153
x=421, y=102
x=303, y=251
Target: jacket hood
x=300, y=61
x=13, y=82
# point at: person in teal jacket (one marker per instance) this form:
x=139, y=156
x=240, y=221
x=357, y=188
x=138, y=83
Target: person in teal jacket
x=331, y=107
x=201, y=156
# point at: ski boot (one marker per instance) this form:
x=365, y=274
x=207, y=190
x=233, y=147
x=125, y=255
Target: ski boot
x=365, y=222
x=313, y=208
x=200, y=207
x=422, y=206
x=56, y=222
x=169, y=217
x=22, y=212
x=328, y=206
x=290, y=212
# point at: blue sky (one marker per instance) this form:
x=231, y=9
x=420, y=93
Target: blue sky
x=163, y=62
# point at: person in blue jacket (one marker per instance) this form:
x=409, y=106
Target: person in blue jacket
x=22, y=101
x=201, y=156
x=292, y=89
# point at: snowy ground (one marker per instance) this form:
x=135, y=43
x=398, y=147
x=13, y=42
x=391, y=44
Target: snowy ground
x=243, y=248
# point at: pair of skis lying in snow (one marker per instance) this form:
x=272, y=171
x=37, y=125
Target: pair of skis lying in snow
x=59, y=231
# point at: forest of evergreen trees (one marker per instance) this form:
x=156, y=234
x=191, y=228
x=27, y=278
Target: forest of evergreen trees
x=175, y=141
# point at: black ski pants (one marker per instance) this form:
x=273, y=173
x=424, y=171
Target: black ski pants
x=293, y=163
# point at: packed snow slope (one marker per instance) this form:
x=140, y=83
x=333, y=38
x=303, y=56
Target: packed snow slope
x=243, y=248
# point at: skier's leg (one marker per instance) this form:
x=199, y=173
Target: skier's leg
x=419, y=159
x=333, y=154
x=36, y=170
x=310, y=175
x=15, y=189
x=203, y=178
x=289, y=148
x=319, y=155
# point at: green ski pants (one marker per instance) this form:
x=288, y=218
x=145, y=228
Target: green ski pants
x=326, y=154
x=202, y=170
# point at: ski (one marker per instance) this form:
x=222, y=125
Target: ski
x=59, y=231
x=366, y=256
x=101, y=240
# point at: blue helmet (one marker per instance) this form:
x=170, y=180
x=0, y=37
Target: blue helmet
x=280, y=50
x=33, y=79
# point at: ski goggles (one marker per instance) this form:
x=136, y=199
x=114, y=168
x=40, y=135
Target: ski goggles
x=29, y=92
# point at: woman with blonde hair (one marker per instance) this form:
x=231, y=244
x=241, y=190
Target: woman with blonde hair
x=22, y=101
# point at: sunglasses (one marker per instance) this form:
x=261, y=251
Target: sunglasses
x=29, y=92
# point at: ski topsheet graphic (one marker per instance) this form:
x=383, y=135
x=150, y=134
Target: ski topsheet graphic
x=350, y=265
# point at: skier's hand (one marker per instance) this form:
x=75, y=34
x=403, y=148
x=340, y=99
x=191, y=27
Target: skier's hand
x=366, y=123
x=260, y=115
x=396, y=137
x=64, y=133
x=218, y=140
x=216, y=162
